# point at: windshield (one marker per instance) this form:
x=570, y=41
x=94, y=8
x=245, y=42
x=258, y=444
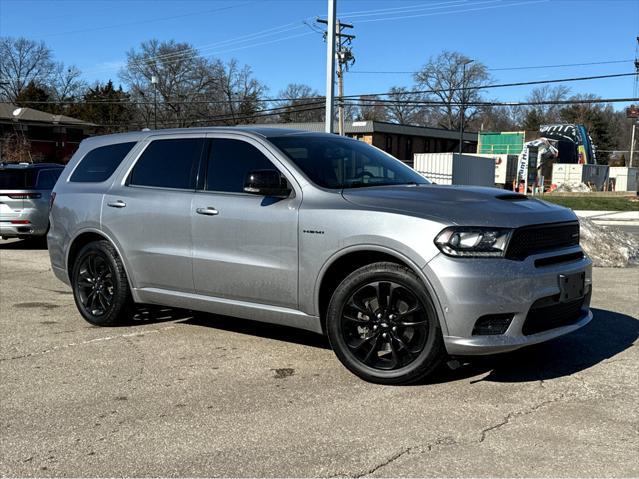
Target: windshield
x=338, y=162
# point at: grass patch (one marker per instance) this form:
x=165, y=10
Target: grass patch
x=594, y=203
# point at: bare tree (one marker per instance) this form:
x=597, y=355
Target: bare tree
x=402, y=111
x=303, y=104
x=23, y=61
x=242, y=93
x=535, y=115
x=443, y=77
x=496, y=118
x=67, y=83
x=371, y=109
x=185, y=82
x=191, y=89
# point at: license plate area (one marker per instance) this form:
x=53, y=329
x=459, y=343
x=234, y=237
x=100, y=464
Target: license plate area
x=572, y=286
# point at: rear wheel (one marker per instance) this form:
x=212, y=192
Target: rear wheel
x=382, y=325
x=100, y=286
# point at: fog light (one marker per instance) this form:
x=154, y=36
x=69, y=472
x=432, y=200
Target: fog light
x=492, y=324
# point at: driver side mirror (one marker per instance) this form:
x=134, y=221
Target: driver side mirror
x=266, y=183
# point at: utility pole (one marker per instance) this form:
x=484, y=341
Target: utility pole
x=330, y=66
x=345, y=58
x=634, y=115
x=462, y=112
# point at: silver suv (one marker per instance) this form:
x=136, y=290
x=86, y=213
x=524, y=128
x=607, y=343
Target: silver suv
x=25, y=193
x=318, y=232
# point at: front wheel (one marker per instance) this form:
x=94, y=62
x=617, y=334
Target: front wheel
x=100, y=286
x=382, y=325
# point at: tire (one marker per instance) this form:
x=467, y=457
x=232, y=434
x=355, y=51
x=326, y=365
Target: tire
x=100, y=285
x=383, y=326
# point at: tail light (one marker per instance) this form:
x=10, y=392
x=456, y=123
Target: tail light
x=51, y=200
x=20, y=222
x=24, y=196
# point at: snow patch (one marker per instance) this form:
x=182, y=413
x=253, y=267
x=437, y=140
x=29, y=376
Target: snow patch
x=608, y=246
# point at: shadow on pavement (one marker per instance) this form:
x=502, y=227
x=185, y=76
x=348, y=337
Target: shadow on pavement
x=262, y=330
x=608, y=334
x=149, y=314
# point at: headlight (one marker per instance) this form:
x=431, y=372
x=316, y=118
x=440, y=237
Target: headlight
x=473, y=242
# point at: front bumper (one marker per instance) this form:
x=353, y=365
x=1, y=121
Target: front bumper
x=469, y=288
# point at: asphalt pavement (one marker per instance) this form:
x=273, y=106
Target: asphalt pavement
x=178, y=395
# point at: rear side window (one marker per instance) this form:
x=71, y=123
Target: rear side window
x=230, y=161
x=13, y=179
x=168, y=164
x=47, y=178
x=99, y=164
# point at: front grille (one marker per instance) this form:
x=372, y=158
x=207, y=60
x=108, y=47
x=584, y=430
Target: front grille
x=542, y=238
x=562, y=258
x=543, y=317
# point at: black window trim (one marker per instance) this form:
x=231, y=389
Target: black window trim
x=127, y=177
x=204, y=166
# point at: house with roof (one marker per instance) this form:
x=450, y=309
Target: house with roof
x=34, y=136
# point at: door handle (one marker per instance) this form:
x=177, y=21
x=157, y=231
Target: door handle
x=116, y=204
x=208, y=211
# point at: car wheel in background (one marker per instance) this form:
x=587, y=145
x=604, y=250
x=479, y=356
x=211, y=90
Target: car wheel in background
x=382, y=325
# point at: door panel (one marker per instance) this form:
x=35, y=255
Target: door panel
x=248, y=251
x=244, y=246
x=154, y=233
x=149, y=213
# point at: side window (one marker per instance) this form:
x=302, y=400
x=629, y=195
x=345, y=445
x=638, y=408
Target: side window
x=47, y=179
x=229, y=162
x=99, y=164
x=168, y=164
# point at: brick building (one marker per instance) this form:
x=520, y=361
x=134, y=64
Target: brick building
x=36, y=136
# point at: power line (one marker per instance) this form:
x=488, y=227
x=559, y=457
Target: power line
x=502, y=85
x=453, y=11
x=491, y=103
x=314, y=106
x=380, y=11
x=199, y=50
x=151, y=20
x=391, y=72
x=414, y=92
x=408, y=10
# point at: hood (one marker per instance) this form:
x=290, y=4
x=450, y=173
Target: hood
x=460, y=205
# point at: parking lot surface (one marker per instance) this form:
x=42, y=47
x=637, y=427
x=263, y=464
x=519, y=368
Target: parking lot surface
x=182, y=395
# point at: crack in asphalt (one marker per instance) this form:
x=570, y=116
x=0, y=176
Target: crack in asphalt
x=512, y=415
x=450, y=441
x=89, y=341
x=444, y=441
x=391, y=459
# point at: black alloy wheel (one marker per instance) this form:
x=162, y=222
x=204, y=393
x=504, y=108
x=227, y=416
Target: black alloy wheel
x=383, y=326
x=100, y=285
x=95, y=284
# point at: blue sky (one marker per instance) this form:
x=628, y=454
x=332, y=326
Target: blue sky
x=398, y=35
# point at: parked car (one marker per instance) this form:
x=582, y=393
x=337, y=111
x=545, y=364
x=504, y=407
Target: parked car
x=25, y=191
x=319, y=232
